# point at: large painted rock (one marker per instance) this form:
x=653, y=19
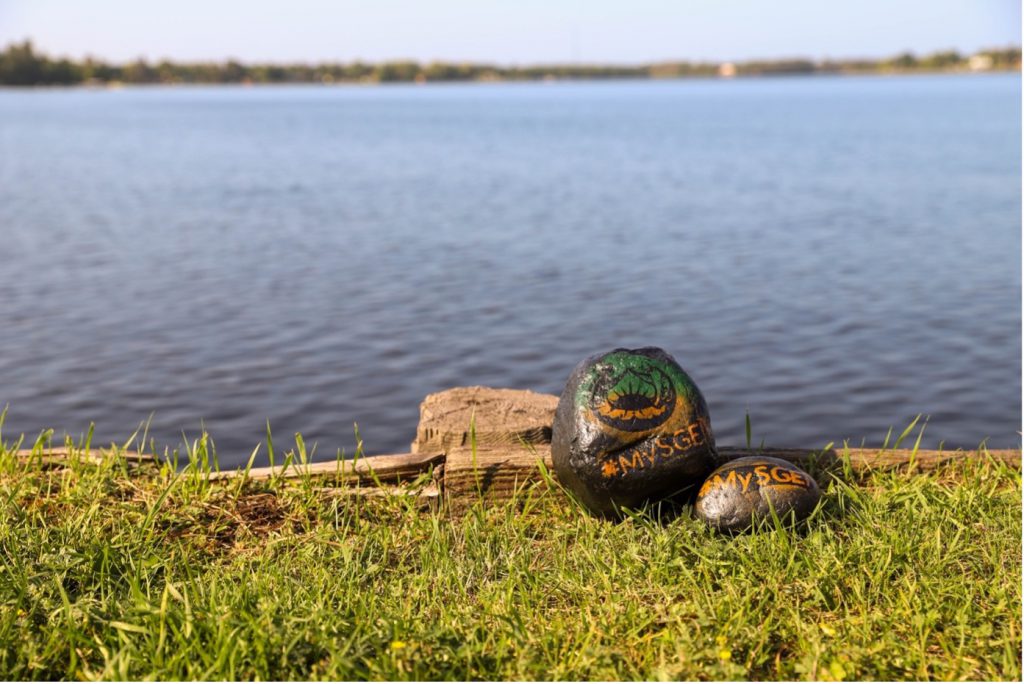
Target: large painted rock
x=631, y=427
x=742, y=493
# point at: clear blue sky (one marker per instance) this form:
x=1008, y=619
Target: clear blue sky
x=510, y=31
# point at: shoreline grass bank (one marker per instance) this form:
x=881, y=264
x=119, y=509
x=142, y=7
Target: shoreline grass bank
x=114, y=570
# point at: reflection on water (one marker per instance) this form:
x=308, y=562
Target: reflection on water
x=835, y=255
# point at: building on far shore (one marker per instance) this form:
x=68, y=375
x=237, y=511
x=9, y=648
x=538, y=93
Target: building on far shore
x=979, y=63
x=727, y=70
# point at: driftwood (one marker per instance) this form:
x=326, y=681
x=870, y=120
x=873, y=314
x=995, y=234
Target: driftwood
x=490, y=417
x=373, y=470
x=509, y=441
x=497, y=473
x=57, y=457
x=864, y=460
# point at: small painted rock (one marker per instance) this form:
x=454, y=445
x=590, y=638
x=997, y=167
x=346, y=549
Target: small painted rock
x=742, y=492
x=631, y=427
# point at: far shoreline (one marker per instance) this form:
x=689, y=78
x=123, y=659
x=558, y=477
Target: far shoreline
x=119, y=85
x=22, y=66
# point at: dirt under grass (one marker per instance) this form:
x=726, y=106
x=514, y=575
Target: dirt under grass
x=111, y=572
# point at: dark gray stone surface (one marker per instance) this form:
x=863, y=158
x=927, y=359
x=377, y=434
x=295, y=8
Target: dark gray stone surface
x=742, y=492
x=631, y=427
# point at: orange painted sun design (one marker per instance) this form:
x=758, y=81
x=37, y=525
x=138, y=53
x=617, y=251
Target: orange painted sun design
x=636, y=399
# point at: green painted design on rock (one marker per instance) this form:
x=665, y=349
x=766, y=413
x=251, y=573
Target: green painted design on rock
x=632, y=392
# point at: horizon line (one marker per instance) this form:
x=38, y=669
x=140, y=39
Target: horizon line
x=577, y=63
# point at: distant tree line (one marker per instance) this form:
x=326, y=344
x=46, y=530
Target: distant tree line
x=21, y=65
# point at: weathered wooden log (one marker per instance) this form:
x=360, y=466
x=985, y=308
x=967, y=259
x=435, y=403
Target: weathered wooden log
x=497, y=473
x=491, y=472
x=863, y=460
x=490, y=417
x=369, y=470
x=58, y=456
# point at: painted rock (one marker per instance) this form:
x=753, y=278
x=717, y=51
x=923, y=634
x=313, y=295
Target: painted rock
x=742, y=492
x=631, y=427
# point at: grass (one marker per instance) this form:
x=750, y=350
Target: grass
x=109, y=574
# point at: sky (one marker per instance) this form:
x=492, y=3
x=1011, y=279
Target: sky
x=506, y=32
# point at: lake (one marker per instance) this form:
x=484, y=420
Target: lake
x=833, y=256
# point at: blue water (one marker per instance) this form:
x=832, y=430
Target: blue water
x=832, y=255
